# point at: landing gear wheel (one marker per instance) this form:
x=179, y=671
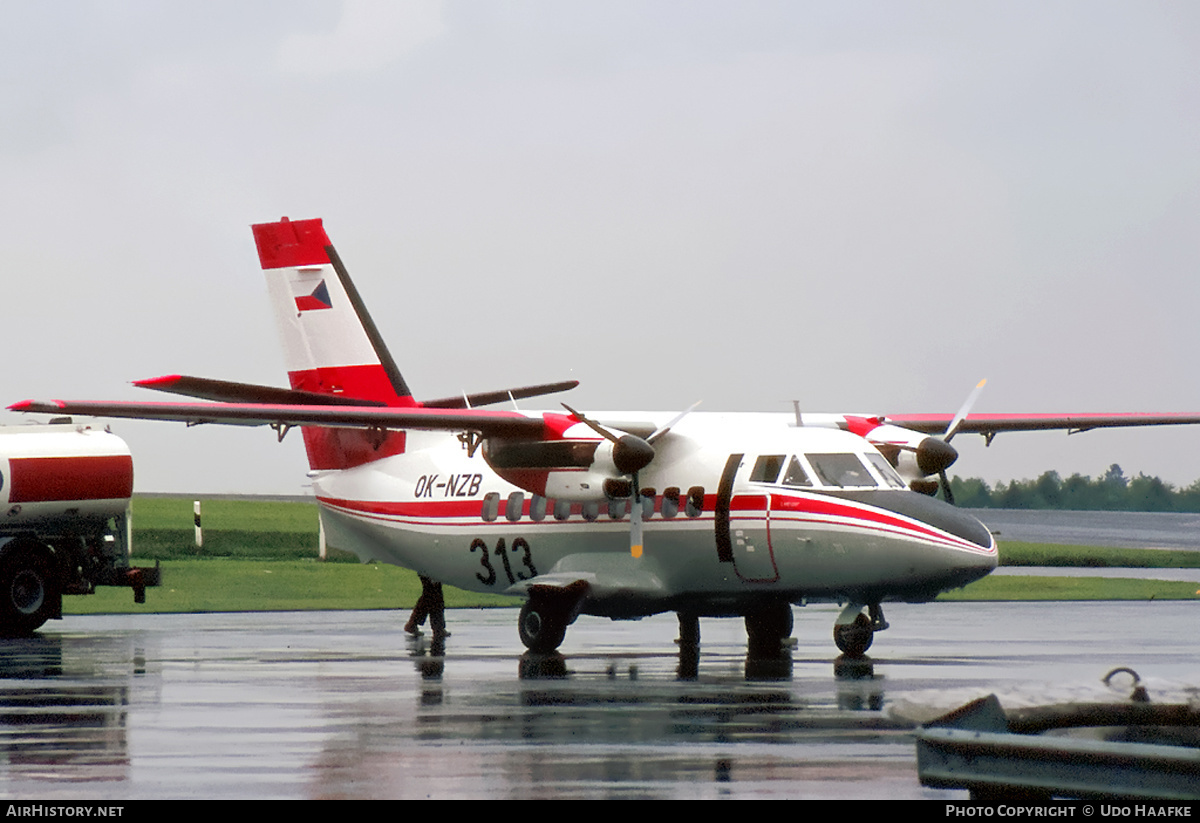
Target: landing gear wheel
x=542, y=627
x=854, y=638
x=28, y=595
x=768, y=627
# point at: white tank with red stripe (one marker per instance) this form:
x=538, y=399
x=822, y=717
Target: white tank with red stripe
x=61, y=472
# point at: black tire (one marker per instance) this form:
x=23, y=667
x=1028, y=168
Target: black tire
x=541, y=627
x=854, y=638
x=29, y=595
x=768, y=627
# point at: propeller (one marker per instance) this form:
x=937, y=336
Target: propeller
x=939, y=454
x=630, y=455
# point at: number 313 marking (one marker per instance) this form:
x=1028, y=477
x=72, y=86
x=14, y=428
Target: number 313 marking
x=520, y=545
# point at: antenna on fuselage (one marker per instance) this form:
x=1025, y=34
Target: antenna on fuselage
x=799, y=416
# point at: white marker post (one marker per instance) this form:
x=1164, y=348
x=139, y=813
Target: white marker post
x=199, y=531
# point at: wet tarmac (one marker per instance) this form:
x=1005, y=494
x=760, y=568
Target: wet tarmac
x=342, y=705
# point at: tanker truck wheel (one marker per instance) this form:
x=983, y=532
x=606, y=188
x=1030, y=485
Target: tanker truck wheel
x=29, y=595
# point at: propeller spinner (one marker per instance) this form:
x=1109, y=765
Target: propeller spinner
x=630, y=455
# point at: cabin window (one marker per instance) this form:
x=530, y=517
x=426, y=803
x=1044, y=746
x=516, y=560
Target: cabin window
x=670, y=502
x=695, y=501
x=766, y=468
x=537, y=508
x=796, y=475
x=512, y=509
x=889, y=475
x=845, y=470
x=616, y=509
x=562, y=509
x=491, y=506
x=591, y=511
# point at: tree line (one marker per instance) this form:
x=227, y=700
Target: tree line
x=1111, y=492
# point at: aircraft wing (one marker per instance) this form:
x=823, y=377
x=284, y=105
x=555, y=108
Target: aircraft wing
x=486, y=421
x=992, y=424
x=227, y=391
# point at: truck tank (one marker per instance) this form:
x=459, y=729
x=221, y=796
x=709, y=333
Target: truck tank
x=65, y=529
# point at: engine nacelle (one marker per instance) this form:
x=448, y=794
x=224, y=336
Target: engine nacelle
x=915, y=455
x=581, y=471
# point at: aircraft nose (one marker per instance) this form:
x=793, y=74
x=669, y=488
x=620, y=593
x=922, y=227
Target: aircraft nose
x=975, y=554
x=970, y=566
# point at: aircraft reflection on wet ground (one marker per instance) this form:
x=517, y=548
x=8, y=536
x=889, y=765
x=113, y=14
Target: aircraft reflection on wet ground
x=341, y=705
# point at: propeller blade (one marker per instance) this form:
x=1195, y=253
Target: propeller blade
x=659, y=432
x=946, y=493
x=591, y=424
x=630, y=455
x=635, y=521
x=952, y=429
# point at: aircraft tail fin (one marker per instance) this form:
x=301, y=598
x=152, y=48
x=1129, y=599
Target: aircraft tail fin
x=331, y=344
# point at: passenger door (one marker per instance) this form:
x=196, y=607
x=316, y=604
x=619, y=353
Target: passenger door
x=743, y=525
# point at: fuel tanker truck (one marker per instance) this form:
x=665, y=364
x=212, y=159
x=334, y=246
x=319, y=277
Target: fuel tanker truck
x=64, y=494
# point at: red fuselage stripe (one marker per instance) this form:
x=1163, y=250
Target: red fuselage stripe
x=813, y=511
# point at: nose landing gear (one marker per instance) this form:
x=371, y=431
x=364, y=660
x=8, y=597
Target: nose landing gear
x=854, y=631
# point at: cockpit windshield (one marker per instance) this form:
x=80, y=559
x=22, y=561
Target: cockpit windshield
x=796, y=475
x=844, y=470
x=889, y=474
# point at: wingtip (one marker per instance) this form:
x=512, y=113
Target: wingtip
x=157, y=382
x=37, y=405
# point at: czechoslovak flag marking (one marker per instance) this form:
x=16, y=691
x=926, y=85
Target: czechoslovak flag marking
x=319, y=299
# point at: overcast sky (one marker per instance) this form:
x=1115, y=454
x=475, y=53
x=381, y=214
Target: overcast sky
x=862, y=206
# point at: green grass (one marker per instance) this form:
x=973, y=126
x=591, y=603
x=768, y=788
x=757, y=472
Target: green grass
x=1013, y=553
x=164, y=529
x=254, y=515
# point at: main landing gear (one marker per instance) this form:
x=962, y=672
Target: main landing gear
x=767, y=628
x=853, y=631
x=541, y=626
x=542, y=623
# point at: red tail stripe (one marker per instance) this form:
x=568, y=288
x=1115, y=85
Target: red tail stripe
x=291, y=243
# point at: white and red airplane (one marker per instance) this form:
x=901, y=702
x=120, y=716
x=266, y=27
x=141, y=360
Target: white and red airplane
x=623, y=515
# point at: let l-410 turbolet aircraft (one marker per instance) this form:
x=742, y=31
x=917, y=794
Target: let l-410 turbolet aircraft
x=623, y=515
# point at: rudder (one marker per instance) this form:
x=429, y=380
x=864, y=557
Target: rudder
x=330, y=343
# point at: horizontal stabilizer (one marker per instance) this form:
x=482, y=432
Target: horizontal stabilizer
x=225, y=391
x=487, y=398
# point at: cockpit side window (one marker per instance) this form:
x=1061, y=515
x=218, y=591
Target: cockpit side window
x=796, y=475
x=766, y=468
x=886, y=471
x=845, y=470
